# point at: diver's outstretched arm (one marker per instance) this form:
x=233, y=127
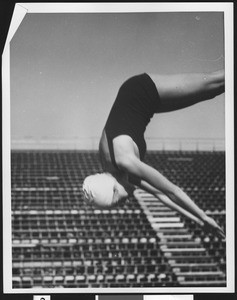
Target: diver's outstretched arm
x=168, y=202
x=207, y=223
x=175, y=196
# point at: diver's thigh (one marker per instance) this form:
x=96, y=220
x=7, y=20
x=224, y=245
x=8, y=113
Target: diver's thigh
x=179, y=90
x=180, y=85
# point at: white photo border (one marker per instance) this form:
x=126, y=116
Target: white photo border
x=20, y=12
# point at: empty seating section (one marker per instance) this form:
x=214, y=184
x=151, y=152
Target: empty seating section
x=200, y=174
x=60, y=241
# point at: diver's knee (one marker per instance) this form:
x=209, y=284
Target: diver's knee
x=215, y=81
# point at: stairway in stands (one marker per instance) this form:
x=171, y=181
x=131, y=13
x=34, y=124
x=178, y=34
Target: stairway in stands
x=187, y=256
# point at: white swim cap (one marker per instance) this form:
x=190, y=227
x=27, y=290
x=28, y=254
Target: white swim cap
x=98, y=189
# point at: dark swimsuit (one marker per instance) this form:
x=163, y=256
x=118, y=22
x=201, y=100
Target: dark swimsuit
x=134, y=106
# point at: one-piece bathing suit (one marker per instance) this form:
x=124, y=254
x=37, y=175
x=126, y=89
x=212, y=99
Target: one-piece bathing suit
x=136, y=102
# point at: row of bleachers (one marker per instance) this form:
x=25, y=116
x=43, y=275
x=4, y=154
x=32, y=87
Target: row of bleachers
x=62, y=252
x=63, y=271
x=96, y=281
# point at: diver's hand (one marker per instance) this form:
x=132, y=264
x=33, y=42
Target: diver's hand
x=210, y=225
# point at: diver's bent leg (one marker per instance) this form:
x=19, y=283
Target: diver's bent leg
x=182, y=90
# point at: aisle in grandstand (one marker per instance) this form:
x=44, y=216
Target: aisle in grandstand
x=59, y=241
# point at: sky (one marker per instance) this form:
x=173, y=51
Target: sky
x=66, y=69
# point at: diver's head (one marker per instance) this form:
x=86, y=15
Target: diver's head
x=103, y=190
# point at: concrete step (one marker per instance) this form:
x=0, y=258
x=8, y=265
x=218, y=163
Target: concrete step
x=173, y=237
x=151, y=202
x=163, y=219
x=166, y=249
x=201, y=273
x=156, y=208
x=177, y=244
x=202, y=283
x=191, y=259
x=167, y=225
x=192, y=265
x=173, y=232
x=160, y=213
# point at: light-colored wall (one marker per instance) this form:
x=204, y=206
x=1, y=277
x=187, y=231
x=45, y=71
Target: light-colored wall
x=66, y=70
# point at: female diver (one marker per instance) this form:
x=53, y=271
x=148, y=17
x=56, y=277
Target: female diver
x=122, y=146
